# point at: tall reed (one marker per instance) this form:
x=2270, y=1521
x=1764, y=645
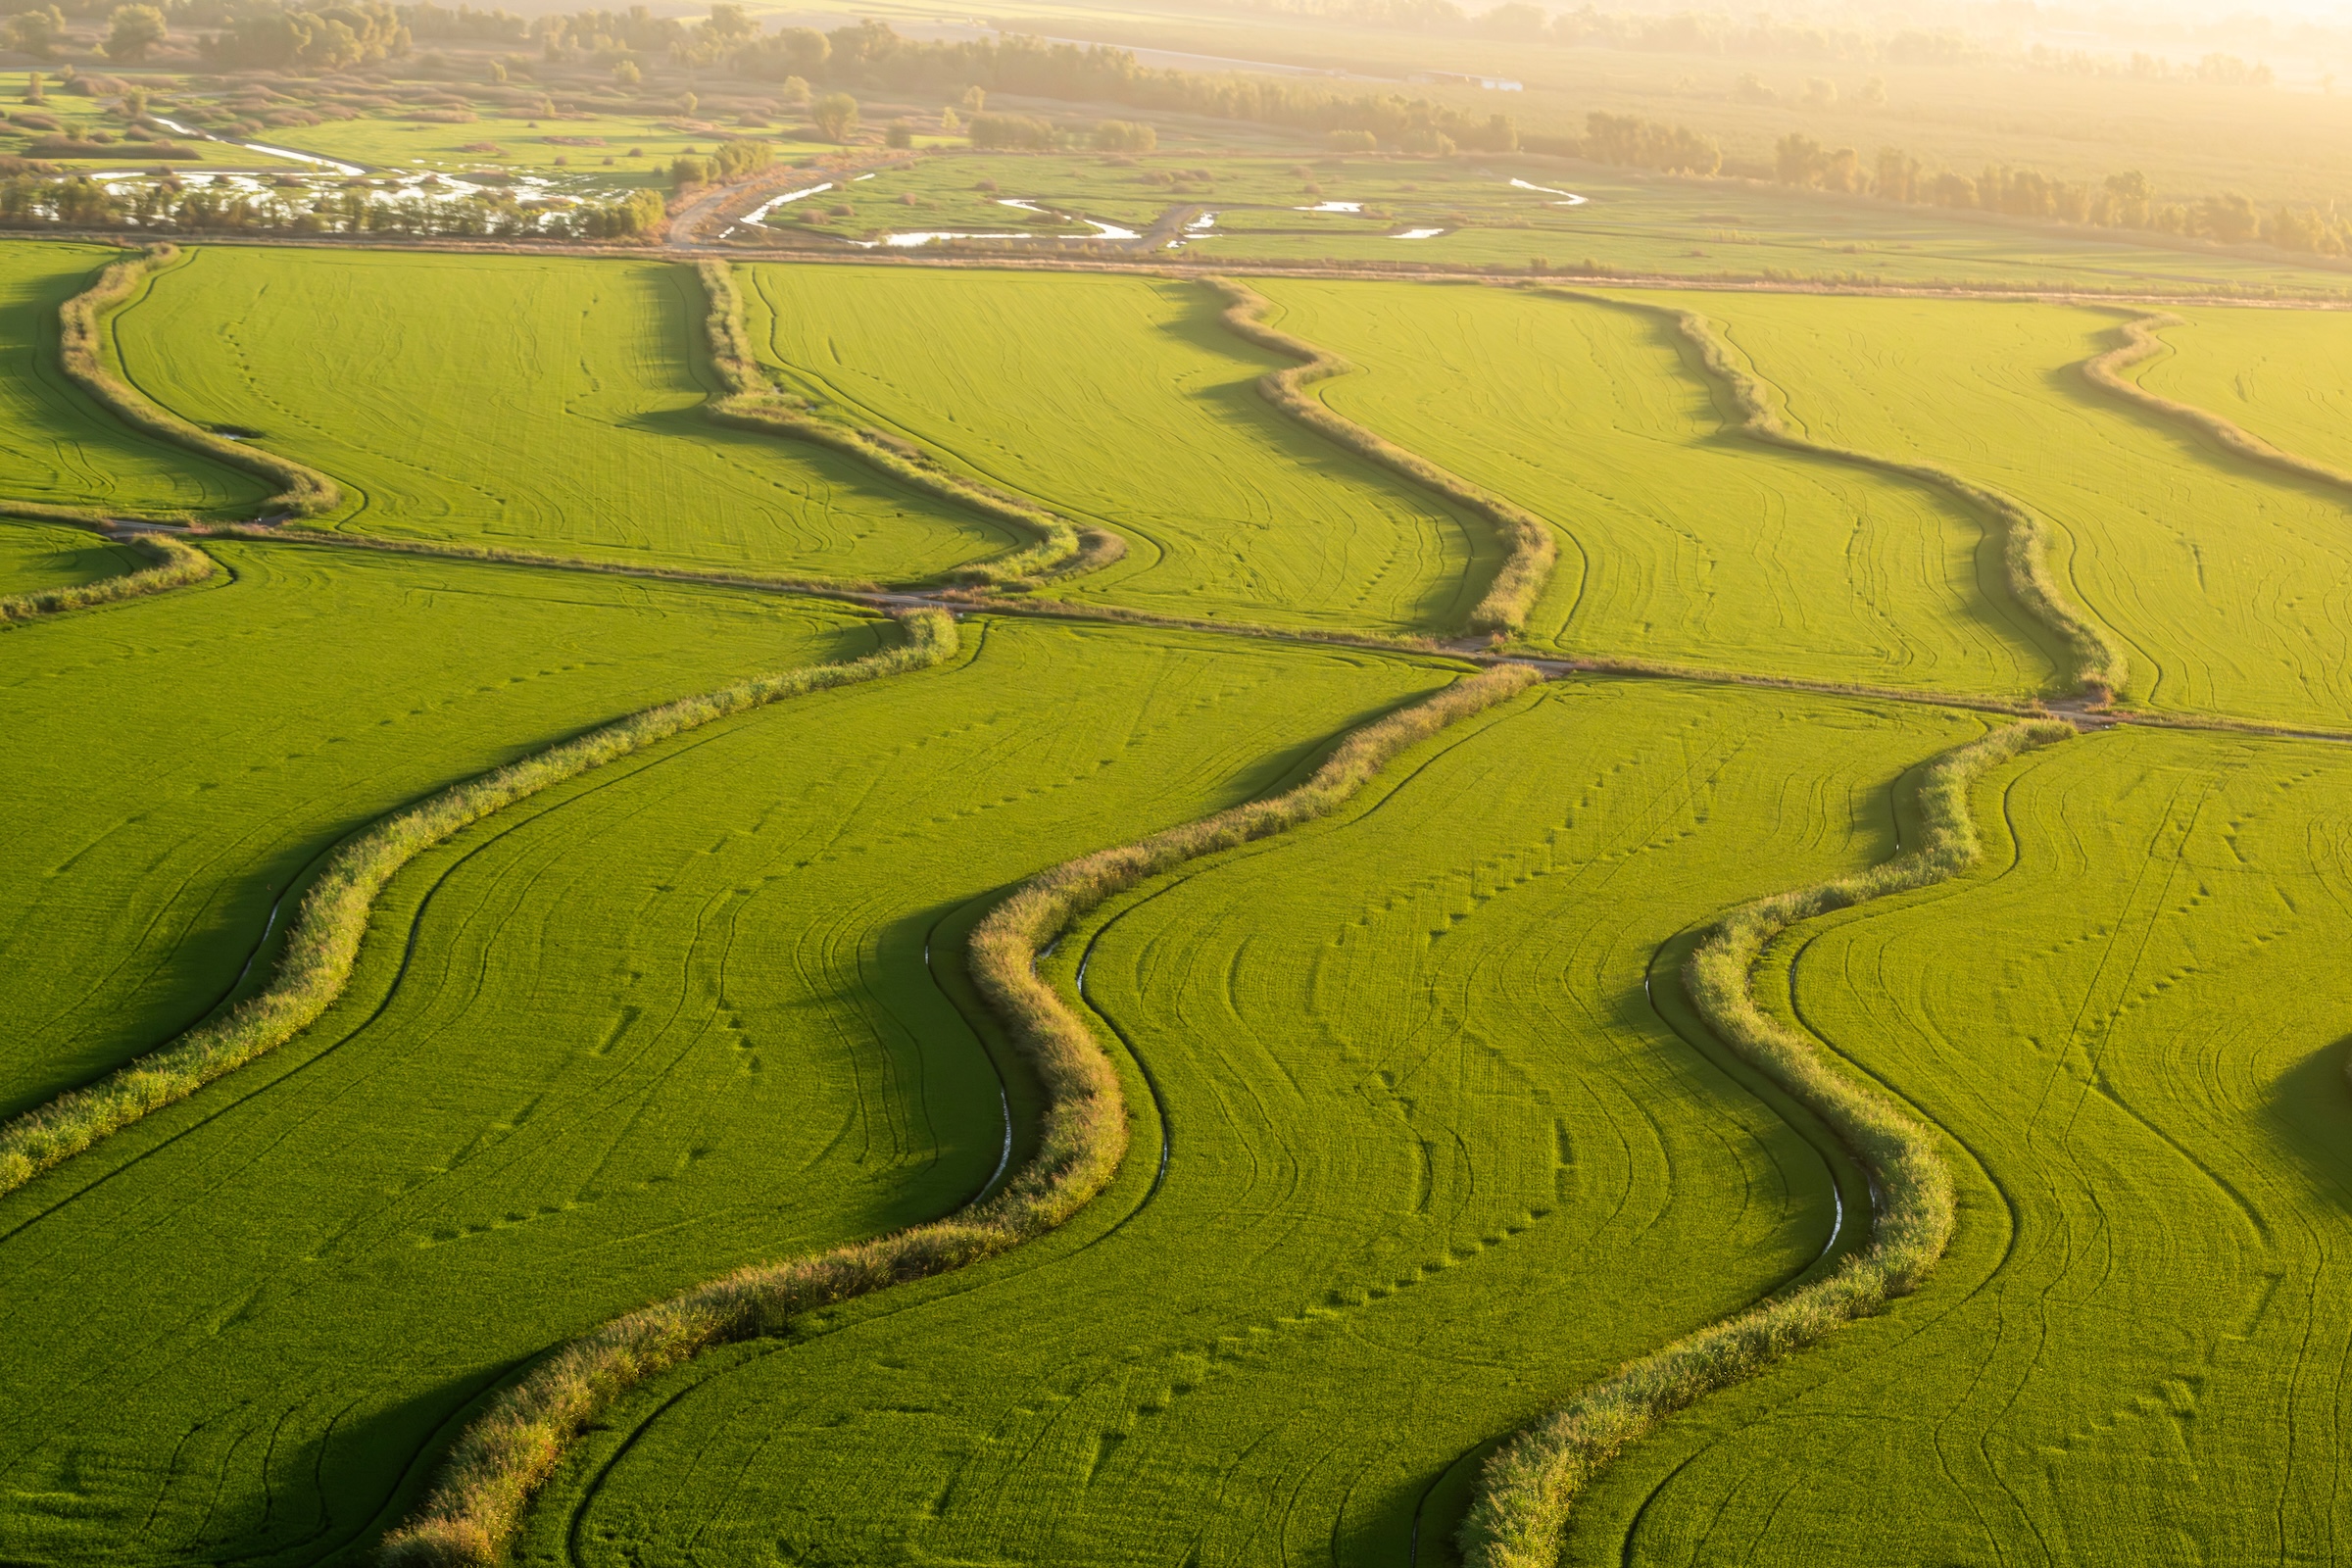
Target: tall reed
x=323, y=941
x=753, y=402
x=2141, y=344
x=1530, y=1488
x=176, y=565
x=477, y=1501
x=2099, y=669
x=302, y=492
x=1529, y=548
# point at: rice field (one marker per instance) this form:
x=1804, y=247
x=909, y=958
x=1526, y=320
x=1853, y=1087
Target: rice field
x=1415, y=1129
x=2268, y=372
x=641, y=1029
x=40, y=554
x=57, y=449
x=564, y=414
x=1680, y=540
x=1137, y=413
x=2127, y=1026
x=1436, y=1151
x=2227, y=584
x=256, y=721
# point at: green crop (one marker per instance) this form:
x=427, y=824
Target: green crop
x=37, y=556
x=1123, y=402
x=2225, y=581
x=562, y=411
x=1682, y=540
x=2129, y=1024
x=1438, y=1158
x=60, y=449
x=252, y=723
x=2275, y=373
x=666, y=1020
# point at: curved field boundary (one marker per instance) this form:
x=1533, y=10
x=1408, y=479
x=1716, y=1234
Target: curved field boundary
x=303, y=492
x=2141, y=344
x=177, y=566
x=2099, y=669
x=754, y=403
x=499, y=1462
x=1532, y=1484
x=1528, y=543
x=325, y=939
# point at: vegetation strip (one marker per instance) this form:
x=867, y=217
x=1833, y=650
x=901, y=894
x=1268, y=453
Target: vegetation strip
x=176, y=565
x=1532, y=1484
x=2099, y=668
x=325, y=938
x=2141, y=344
x=1528, y=543
x=754, y=403
x=502, y=1459
x=303, y=492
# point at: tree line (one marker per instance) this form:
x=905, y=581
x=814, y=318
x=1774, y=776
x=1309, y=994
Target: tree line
x=2125, y=200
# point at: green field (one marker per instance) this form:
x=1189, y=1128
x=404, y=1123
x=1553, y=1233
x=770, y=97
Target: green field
x=2225, y=582
x=1425, y=1136
x=1435, y=1158
x=38, y=555
x=645, y=1027
x=564, y=412
x=1137, y=412
x=2128, y=1028
x=2271, y=371
x=1680, y=540
x=56, y=448
x=255, y=721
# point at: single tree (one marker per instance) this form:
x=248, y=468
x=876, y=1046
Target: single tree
x=836, y=116
x=34, y=32
x=133, y=31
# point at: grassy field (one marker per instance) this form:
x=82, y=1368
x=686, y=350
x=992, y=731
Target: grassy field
x=39, y=555
x=255, y=721
x=1682, y=540
x=2128, y=1023
x=564, y=418
x=1437, y=1156
x=1138, y=411
x=2272, y=372
x=643, y=1028
x=2228, y=584
x=59, y=449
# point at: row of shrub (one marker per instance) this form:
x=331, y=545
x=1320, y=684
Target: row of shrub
x=754, y=402
x=323, y=940
x=1530, y=548
x=1531, y=1485
x=2099, y=669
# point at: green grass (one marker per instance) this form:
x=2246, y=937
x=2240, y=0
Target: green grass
x=39, y=555
x=2225, y=581
x=1438, y=1157
x=1121, y=402
x=666, y=1020
x=1682, y=540
x=2274, y=372
x=57, y=447
x=2129, y=1022
x=253, y=721
x=543, y=403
